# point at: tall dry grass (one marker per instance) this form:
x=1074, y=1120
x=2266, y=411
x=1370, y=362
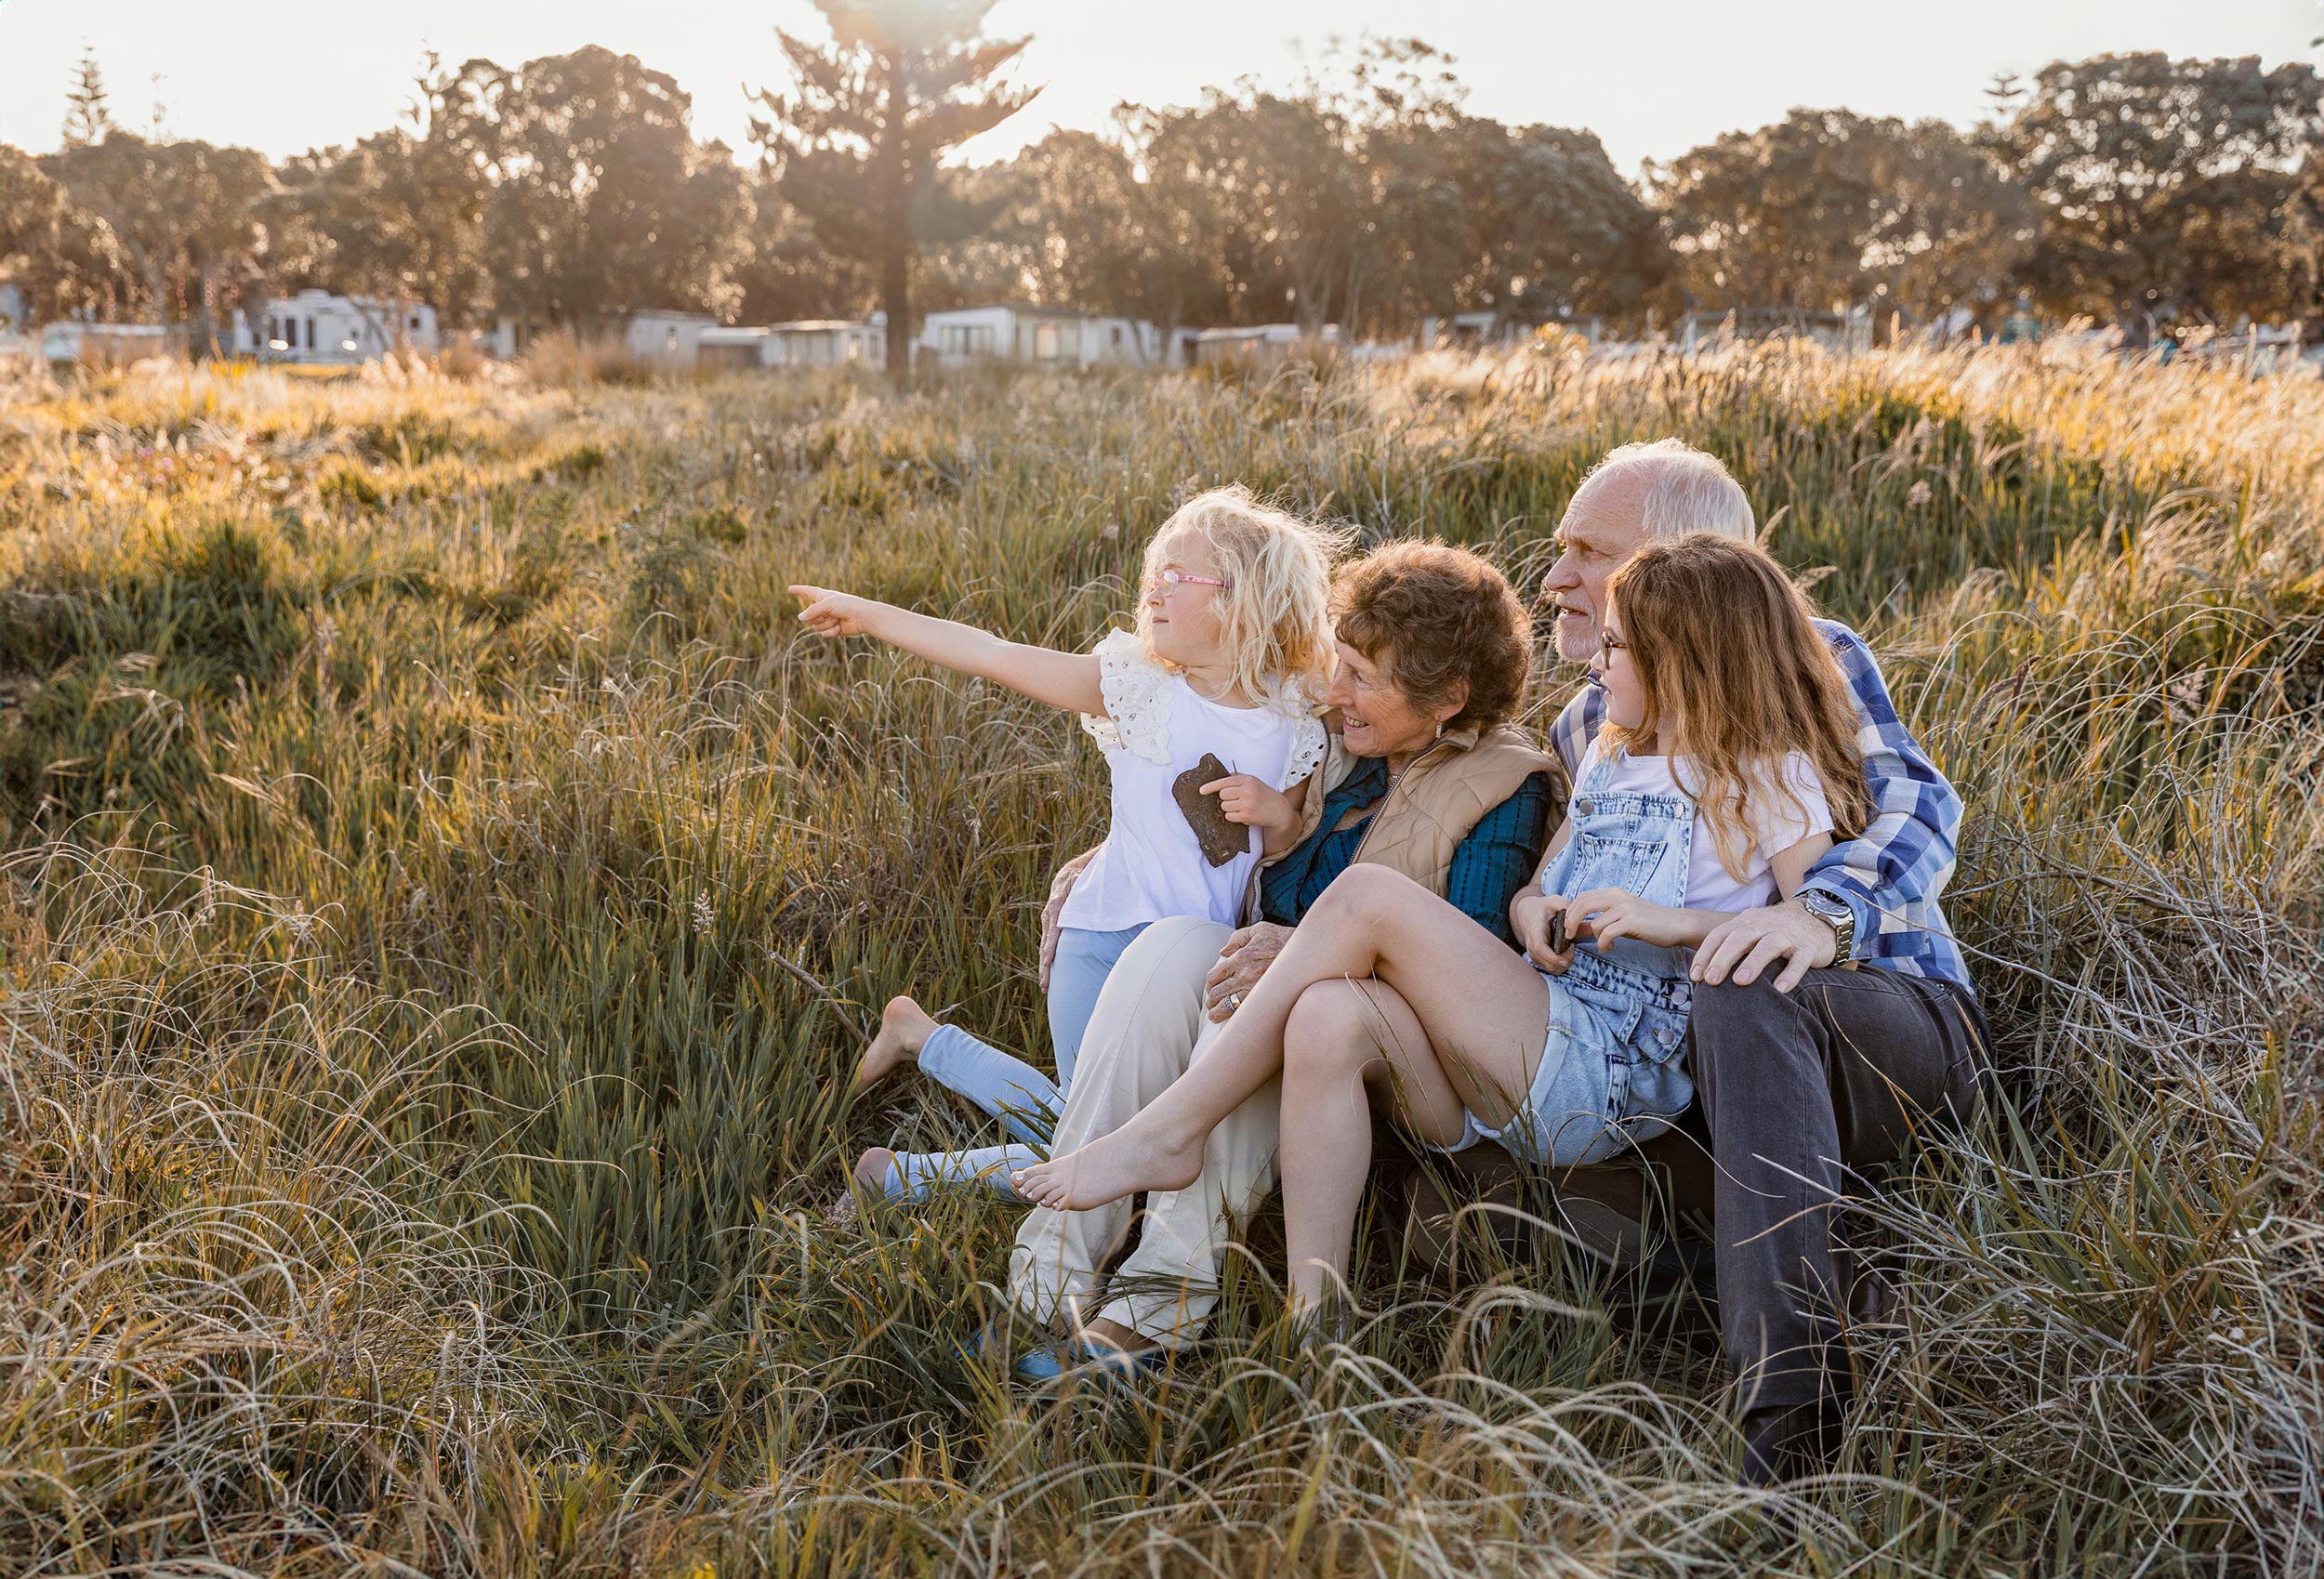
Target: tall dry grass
x=423, y=828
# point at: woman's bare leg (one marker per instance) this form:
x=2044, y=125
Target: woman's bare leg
x=1485, y=1010
x=1349, y=1048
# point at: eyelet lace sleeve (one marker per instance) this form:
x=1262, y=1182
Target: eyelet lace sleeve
x=1137, y=714
x=1308, y=742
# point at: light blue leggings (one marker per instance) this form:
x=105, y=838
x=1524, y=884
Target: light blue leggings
x=1026, y=1101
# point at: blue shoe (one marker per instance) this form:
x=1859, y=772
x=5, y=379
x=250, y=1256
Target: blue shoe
x=1035, y=1356
x=1077, y=1359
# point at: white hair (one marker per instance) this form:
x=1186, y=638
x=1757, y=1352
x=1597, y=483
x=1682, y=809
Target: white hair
x=1681, y=490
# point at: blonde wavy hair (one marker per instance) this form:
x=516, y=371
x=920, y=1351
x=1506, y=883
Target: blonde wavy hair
x=1735, y=676
x=1275, y=618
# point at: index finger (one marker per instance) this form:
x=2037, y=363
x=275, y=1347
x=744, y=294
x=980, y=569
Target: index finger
x=1579, y=908
x=809, y=594
x=1216, y=784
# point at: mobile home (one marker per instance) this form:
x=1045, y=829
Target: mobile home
x=316, y=327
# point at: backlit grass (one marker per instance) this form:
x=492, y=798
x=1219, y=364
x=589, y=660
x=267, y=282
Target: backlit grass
x=441, y=896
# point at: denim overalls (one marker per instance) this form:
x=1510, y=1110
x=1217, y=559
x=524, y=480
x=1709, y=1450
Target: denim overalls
x=1609, y=1074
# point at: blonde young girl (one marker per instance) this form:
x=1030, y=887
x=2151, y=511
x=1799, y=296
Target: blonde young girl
x=1727, y=762
x=1233, y=638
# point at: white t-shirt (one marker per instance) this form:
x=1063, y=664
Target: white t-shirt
x=1156, y=727
x=1775, y=826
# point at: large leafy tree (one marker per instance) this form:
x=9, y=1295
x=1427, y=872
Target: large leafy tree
x=1826, y=209
x=2307, y=237
x=182, y=214
x=992, y=239
x=61, y=258
x=1364, y=196
x=1108, y=231
x=1265, y=184
x=786, y=272
x=854, y=145
x=601, y=203
x=400, y=216
x=1532, y=223
x=2164, y=185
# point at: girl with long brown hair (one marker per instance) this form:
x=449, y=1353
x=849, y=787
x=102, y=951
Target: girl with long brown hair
x=1726, y=767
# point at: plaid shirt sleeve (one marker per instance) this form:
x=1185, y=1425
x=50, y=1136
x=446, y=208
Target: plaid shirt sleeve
x=1891, y=875
x=1499, y=856
x=1576, y=727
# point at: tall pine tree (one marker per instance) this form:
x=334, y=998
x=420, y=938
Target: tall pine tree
x=87, y=117
x=854, y=145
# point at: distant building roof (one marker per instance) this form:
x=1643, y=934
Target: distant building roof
x=1019, y=306
x=823, y=325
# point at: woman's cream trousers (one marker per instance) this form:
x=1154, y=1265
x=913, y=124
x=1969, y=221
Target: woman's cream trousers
x=1147, y=1028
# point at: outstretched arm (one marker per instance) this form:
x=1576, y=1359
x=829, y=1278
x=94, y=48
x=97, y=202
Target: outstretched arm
x=1062, y=679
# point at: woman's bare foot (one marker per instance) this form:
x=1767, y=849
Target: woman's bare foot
x=1134, y=1157
x=904, y=1028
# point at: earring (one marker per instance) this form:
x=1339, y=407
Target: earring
x=1440, y=729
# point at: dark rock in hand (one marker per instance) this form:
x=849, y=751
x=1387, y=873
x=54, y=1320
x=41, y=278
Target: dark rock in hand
x=1221, y=840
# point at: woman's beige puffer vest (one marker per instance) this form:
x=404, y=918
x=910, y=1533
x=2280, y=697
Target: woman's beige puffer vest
x=1434, y=804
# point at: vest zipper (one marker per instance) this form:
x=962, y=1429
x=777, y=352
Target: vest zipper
x=1393, y=784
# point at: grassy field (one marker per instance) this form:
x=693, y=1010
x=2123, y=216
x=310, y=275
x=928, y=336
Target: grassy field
x=439, y=898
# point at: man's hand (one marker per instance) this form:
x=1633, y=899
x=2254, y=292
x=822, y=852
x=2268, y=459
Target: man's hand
x=1529, y=915
x=1743, y=946
x=1059, y=886
x=1241, y=964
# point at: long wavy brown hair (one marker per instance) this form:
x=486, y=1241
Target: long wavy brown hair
x=1735, y=678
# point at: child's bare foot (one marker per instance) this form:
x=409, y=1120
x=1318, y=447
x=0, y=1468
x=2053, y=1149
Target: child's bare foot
x=904, y=1028
x=1135, y=1157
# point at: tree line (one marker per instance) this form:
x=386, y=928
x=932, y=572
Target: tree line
x=570, y=190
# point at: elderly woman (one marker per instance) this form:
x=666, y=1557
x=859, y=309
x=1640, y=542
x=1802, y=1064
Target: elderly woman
x=1425, y=778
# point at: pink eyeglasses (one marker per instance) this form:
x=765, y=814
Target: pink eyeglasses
x=1170, y=581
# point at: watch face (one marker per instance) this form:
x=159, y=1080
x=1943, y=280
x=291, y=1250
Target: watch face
x=1833, y=914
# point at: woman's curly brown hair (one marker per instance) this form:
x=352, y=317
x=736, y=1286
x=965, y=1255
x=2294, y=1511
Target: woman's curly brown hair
x=1434, y=615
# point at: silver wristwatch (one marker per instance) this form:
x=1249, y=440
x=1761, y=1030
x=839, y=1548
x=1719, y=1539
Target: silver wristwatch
x=1835, y=914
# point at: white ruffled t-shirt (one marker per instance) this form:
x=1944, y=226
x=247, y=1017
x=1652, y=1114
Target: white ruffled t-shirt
x=1156, y=727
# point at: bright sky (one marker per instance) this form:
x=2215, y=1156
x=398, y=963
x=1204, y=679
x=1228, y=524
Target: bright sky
x=1652, y=77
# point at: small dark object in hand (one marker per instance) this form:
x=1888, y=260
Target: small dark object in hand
x=1557, y=931
x=1221, y=840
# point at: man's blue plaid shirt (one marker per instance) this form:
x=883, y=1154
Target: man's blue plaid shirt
x=1893, y=873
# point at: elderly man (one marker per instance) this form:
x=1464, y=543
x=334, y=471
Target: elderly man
x=1805, y=1066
